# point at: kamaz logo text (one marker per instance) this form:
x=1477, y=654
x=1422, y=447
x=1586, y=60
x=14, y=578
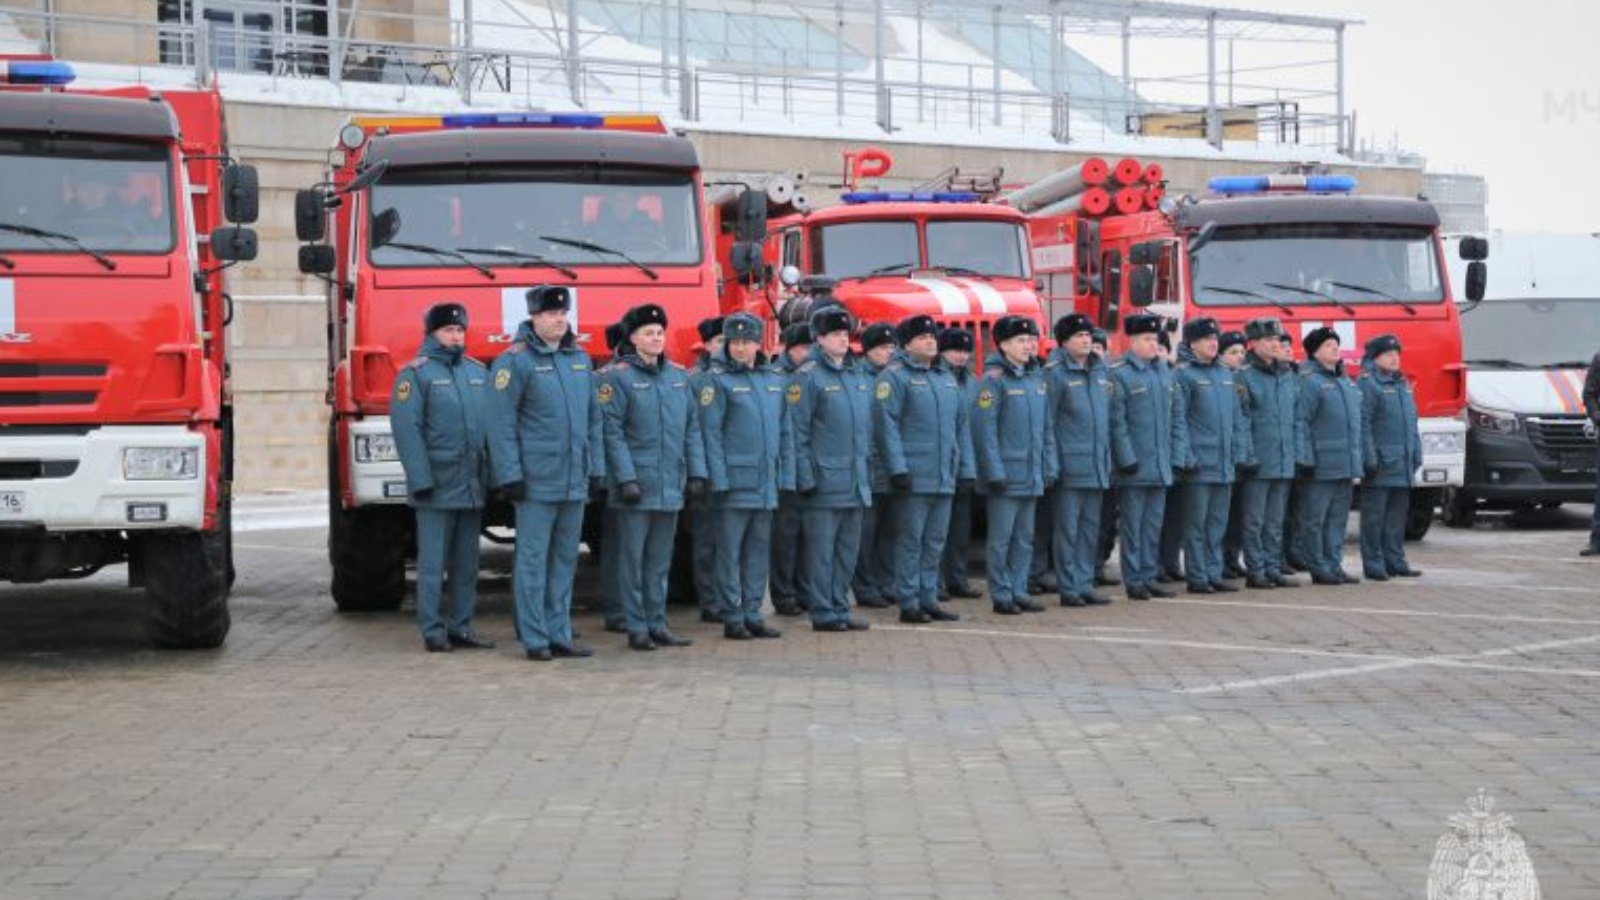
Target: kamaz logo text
x=14, y=338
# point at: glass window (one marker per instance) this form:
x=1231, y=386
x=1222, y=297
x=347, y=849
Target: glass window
x=1530, y=332
x=113, y=196
x=1311, y=264
x=990, y=248
x=852, y=249
x=574, y=216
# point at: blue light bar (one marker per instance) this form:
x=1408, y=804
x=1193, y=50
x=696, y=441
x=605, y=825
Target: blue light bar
x=523, y=120
x=859, y=197
x=39, y=72
x=1261, y=184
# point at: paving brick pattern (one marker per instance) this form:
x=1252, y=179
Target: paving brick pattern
x=1294, y=744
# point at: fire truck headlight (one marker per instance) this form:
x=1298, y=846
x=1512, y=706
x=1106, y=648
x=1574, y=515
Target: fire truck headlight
x=160, y=463
x=372, y=448
x=1443, y=444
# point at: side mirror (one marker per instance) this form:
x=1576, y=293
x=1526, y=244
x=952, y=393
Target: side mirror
x=1474, y=249
x=1141, y=285
x=750, y=223
x=1111, y=279
x=1477, y=280
x=1202, y=237
x=789, y=276
x=234, y=243
x=316, y=259
x=310, y=215
x=366, y=177
x=385, y=226
x=241, y=194
x=1144, y=254
x=746, y=260
x=1087, y=251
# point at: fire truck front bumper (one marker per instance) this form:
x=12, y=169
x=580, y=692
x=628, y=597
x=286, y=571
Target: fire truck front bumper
x=376, y=475
x=1444, y=453
x=114, y=478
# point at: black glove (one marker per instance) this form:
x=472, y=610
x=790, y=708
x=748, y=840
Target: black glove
x=808, y=493
x=696, y=487
x=629, y=492
x=995, y=485
x=1246, y=470
x=423, y=495
x=901, y=481
x=1128, y=469
x=966, y=484
x=1304, y=471
x=597, y=486
x=514, y=491
x=1184, y=473
x=1370, y=473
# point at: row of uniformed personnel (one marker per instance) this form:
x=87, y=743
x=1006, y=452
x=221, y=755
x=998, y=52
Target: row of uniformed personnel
x=827, y=474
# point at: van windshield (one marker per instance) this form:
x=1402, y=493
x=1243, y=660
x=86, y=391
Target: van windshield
x=108, y=196
x=1530, y=333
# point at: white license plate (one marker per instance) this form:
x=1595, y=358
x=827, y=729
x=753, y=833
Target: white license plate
x=13, y=503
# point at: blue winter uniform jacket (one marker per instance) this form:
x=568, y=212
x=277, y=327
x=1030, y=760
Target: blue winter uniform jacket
x=1271, y=396
x=1209, y=431
x=1011, y=428
x=438, y=413
x=548, y=431
x=1391, y=442
x=1080, y=405
x=652, y=431
x=920, y=426
x=1141, y=420
x=741, y=416
x=1331, y=411
x=877, y=473
x=830, y=431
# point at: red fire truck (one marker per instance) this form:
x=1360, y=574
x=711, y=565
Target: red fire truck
x=476, y=209
x=116, y=438
x=1304, y=248
x=945, y=252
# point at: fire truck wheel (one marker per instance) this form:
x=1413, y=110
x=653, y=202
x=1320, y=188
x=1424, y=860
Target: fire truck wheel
x=1458, y=509
x=368, y=549
x=1420, y=518
x=186, y=579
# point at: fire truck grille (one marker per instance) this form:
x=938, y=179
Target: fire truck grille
x=52, y=370
x=16, y=399
x=32, y=469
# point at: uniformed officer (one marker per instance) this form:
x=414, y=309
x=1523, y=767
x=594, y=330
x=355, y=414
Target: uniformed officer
x=654, y=456
x=925, y=446
x=830, y=433
x=1271, y=398
x=1169, y=569
x=617, y=345
x=439, y=416
x=1141, y=447
x=955, y=353
x=1080, y=408
x=1231, y=351
x=702, y=530
x=1294, y=532
x=787, y=533
x=1110, y=507
x=548, y=450
x=874, y=582
x=1012, y=436
x=1331, y=411
x=741, y=410
x=1391, y=453
x=1209, y=437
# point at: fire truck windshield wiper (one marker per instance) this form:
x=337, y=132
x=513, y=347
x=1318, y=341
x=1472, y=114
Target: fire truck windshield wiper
x=443, y=253
x=597, y=248
x=522, y=255
x=1346, y=308
x=1241, y=292
x=8, y=262
x=1361, y=289
x=881, y=270
x=42, y=234
x=963, y=270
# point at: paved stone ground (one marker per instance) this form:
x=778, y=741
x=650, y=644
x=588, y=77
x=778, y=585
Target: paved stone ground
x=1299, y=744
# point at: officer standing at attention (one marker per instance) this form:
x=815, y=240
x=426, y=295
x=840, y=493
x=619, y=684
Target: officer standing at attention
x=1391, y=453
x=1209, y=436
x=1294, y=531
x=1141, y=447
x=1111, y=507
x=741, y=413
x=830, y=436
x=1271, y=398
x=955, y=352
x=1170, y=568
x=1080, y=412
x=1331, y=411
x=702, y=531
x=1231, y=352
x=874, y=582
x=438, y=412
x=925, y=445
x=787, y=534
x=1013, y=438
x=654, y=456
x=548, y=449
x=610, y=575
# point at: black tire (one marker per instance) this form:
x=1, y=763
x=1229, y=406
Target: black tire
x=368, y=549
x=1458, y=509
x=1420, y=517
x=186, y=580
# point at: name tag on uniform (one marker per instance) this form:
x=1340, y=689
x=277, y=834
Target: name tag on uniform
x=641, y=385
x=1202, y=383
x=475, y=381
x=1139, y=390
x=437, y=382
x=580, y=367
x=1077, y=384
x=1390, y=391
x=917, y=383
x=774, y=390
x=544, y=368
x=740, y=390
x=832, y=388
x=1015, y=392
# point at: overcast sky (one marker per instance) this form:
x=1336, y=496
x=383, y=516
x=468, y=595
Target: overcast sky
x=1510, y=91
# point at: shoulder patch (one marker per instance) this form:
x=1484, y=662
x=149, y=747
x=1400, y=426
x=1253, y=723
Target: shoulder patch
x=985, y=398
x=793, y=393
x=403, y=392
x=884, y=390
x=502, y=379
x=606, y=392
x=708, y=395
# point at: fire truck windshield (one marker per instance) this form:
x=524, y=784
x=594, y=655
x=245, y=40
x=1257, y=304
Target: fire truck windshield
x=882, y=246
x=71, y=195
x=565, y=216
x=1319, y=263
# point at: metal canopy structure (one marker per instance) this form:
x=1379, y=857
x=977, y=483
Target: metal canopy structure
x=1079, y=71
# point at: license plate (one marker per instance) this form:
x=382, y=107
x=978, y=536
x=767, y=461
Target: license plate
x=1577, y=462
x=13, y=503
